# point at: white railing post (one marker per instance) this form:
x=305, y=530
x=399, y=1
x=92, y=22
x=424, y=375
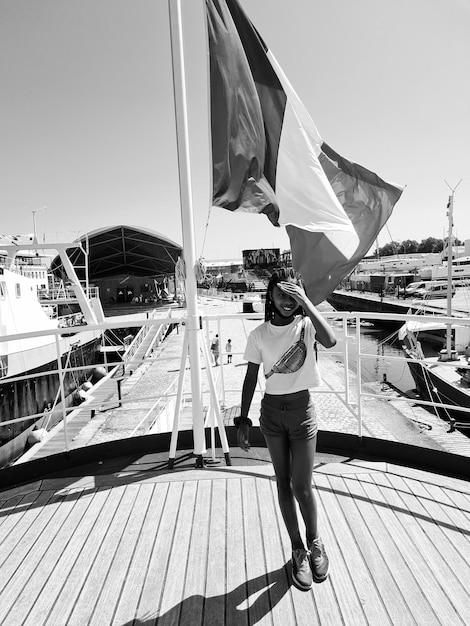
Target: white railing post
x=62, y=392
x=222, y=385
x=359, y=375
x=346, y=361
x=179, y=395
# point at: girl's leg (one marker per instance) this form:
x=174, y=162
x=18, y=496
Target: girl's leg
x=279, y=450
x=303, y=456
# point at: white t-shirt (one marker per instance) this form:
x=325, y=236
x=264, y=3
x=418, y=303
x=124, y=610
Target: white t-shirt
x=267, y=344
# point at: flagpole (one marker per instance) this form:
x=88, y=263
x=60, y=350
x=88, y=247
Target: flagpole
x=187, y=218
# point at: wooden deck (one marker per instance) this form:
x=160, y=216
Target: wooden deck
x=141, y=545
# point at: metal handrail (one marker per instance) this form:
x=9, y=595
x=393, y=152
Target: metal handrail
x=345, y=394
x=169, y=393
x=131, y=351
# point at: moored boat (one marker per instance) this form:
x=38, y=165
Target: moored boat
x=30, y=390
x=443, y=377
x=439, y=379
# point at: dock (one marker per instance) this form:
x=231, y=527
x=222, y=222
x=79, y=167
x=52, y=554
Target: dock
x=350, y=300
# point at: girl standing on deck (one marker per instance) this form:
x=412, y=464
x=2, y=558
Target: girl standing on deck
x=284, y=345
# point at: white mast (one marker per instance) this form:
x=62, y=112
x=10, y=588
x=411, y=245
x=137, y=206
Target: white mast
x=450, y=256
x=187, y=218
x=34, y=211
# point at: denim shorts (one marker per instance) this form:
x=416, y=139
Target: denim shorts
x=290, y=415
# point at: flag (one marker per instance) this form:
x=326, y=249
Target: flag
x=367, y=200
x=268, y=157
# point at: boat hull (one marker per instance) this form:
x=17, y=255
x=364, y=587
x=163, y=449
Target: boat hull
x=433, y=388
x=370, y=303
x=32, y=395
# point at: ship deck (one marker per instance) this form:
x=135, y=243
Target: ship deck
x=127, y=541
x=104, y=533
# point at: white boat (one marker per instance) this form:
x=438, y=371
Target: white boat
x=460, y=270
x=29, y=380
x=442, y=376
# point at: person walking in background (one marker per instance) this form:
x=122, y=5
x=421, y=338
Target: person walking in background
x=215, y=349
x=284, y=345
x=228, y=350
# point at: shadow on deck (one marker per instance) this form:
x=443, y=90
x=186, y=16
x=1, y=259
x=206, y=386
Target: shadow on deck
x=117, y=538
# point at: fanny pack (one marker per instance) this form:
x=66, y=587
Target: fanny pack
x=292, y=359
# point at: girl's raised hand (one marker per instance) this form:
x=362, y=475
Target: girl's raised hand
x=296, y=292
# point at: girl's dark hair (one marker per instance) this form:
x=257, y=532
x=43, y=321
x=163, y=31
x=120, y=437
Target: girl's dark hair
x=279, y=276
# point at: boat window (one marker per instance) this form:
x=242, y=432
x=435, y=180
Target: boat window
x=18, y=290
x=3, y=290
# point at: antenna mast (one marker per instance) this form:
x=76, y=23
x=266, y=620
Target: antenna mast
x=450, y=256
x=34, y=211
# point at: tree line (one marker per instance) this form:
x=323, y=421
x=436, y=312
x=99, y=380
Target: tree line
x=409, y=246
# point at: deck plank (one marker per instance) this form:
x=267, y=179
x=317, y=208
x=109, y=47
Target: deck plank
x=448, y=482
x=105, y=505
x=257, y=601
x=457, y=512
x=15, y=513
x=85, y=511
x=19, y=545
x=418, y=550
x=387, y=588
x=172, y=596
x=117, y=574
x=236, y=562
x=278, y=577
x=97, y=577
x=22, y=591
x=197, y=558
x=215, y=592
x=127, y=606
x=429, y=536
x=155, y=579
x=60, y=559
x=332, y=526
x=395, y=549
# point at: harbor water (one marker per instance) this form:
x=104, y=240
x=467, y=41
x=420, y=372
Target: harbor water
x=382, y=357
x=386, y=357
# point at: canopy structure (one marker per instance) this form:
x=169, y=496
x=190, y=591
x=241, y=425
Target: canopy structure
x=123, y=250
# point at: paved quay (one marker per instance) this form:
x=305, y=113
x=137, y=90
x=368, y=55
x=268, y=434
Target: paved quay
x=387, y=417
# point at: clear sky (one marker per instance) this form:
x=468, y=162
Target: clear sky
x=87, y=117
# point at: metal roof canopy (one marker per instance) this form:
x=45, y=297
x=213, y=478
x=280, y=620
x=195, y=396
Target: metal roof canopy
x=123, y=250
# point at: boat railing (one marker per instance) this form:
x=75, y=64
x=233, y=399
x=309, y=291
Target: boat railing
x=64, y=294
x=132, y=350
x=159, y=417
x=351, y=391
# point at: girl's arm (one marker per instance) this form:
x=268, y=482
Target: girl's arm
x=248, y=390
x=324, y=333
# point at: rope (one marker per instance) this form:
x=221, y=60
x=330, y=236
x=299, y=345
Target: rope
x=206, y=228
